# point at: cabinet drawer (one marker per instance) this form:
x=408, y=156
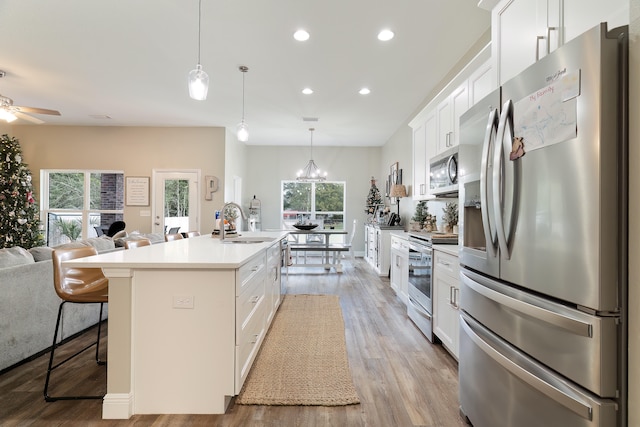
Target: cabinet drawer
x=252, y=270
x=248, y=343
x=446, y=264
x=247, y=305
x=273, y=254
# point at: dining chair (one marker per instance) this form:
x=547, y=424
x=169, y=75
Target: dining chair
x=173, y=230
x=349, y=242
x=172, y=237
x=76, y=286
x=136, y=243
x=116, y=227
x=193, y=233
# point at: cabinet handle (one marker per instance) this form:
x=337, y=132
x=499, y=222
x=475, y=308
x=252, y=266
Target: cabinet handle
x=255, y=268
x=451, y=296
x=421, y=189
x=254, y=299
x=549, y=29
x=456, y=292
x=445, y=263
x=255, y=338
x=538, y=38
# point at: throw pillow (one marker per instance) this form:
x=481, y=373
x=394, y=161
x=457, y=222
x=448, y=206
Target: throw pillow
x=10, y=257
x=41, y=253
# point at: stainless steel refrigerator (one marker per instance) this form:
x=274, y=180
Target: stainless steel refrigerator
x=543, y=184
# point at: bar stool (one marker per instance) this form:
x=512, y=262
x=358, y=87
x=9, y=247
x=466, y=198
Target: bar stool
x=171, y=237
x=136, y=243
x=193, y=233
x=77, y=286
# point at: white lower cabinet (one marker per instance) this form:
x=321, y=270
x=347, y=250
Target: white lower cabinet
x=446, y=297
x=250, y=315
x=378, y=247
x=400, y=267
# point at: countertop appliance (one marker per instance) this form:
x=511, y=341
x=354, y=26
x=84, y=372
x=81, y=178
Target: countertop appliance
x=543, y=331
x=443, y=174
x=420, y=304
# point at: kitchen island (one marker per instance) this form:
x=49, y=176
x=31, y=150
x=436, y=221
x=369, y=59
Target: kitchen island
x=186, y=320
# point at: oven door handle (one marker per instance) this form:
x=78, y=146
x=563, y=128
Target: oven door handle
x=420, y=248
x=419, y=309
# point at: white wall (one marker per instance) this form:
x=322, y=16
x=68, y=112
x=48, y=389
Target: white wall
x=134, y=150
x=267, y=166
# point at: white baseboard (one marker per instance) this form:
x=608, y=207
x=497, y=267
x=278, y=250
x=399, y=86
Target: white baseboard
x=117, y=406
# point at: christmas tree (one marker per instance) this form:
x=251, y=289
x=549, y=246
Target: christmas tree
x=374, y=199
x=19, y=218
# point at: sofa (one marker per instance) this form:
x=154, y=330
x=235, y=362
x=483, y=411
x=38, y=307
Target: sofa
x=29, y=303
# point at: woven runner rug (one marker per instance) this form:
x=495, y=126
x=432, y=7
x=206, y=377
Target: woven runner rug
x=303, y=359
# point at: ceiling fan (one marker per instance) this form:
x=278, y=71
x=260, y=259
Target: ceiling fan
x=10, y=112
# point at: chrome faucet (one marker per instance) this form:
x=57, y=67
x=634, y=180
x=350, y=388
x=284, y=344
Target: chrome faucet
x=222, y=216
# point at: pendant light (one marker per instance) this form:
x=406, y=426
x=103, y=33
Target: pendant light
x=198, y=78
x=243, y=129
x=311, y=172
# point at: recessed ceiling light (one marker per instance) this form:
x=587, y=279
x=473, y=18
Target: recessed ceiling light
x=301, y=35
x=385, y=35
x=364, y=91
x=307, y=91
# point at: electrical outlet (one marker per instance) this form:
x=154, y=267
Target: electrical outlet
x=182, y=301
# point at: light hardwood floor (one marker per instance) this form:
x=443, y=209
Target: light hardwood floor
x=401, y=378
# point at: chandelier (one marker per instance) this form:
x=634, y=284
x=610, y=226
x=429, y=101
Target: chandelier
x=311, y=172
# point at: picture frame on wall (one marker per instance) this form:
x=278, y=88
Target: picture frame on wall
x=137, y=191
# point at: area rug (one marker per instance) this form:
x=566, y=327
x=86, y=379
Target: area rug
x=303, y=359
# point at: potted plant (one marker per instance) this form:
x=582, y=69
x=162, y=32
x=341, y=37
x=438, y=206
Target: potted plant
x=421, y=215
x=450, y=217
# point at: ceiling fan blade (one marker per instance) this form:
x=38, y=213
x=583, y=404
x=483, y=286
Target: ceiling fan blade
x=28, y=118
x=36, y=110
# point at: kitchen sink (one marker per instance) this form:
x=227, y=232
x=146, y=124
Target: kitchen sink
x=247, y=240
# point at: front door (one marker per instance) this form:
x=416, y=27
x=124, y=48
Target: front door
x=175, y=206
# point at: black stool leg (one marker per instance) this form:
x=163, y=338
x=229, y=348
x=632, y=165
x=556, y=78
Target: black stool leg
x=51, y=366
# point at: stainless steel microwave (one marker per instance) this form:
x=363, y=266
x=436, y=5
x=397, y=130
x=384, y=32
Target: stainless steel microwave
x=443, y=179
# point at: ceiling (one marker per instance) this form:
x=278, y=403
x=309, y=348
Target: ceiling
x=129, y=60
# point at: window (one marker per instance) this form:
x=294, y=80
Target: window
x=79, y=204
x=322, y=202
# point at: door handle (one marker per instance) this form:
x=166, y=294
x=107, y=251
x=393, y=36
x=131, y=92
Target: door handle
x=487, y=145
x=574, y=326
x=503, y=146
x=538, y=38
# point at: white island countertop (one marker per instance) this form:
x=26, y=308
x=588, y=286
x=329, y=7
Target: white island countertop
x=202, y=252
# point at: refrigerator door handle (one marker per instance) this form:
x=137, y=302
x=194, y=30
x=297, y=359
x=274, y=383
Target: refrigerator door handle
x=563, y=397
x=574, y=326
x=489, y=142
x=504, y=139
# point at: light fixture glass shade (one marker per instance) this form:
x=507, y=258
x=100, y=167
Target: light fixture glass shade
x=243, y=132
x=7, y=115
x=311, y=172
x=198, y=83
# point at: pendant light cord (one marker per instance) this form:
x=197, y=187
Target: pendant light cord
x=199, y=20
x=243, y=73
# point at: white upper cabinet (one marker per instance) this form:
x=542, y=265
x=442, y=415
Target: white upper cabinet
x=524, y=31
x=481, y=83
x=581, y=15
x=424, y=137
x=449, y=112
x=435, y=128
